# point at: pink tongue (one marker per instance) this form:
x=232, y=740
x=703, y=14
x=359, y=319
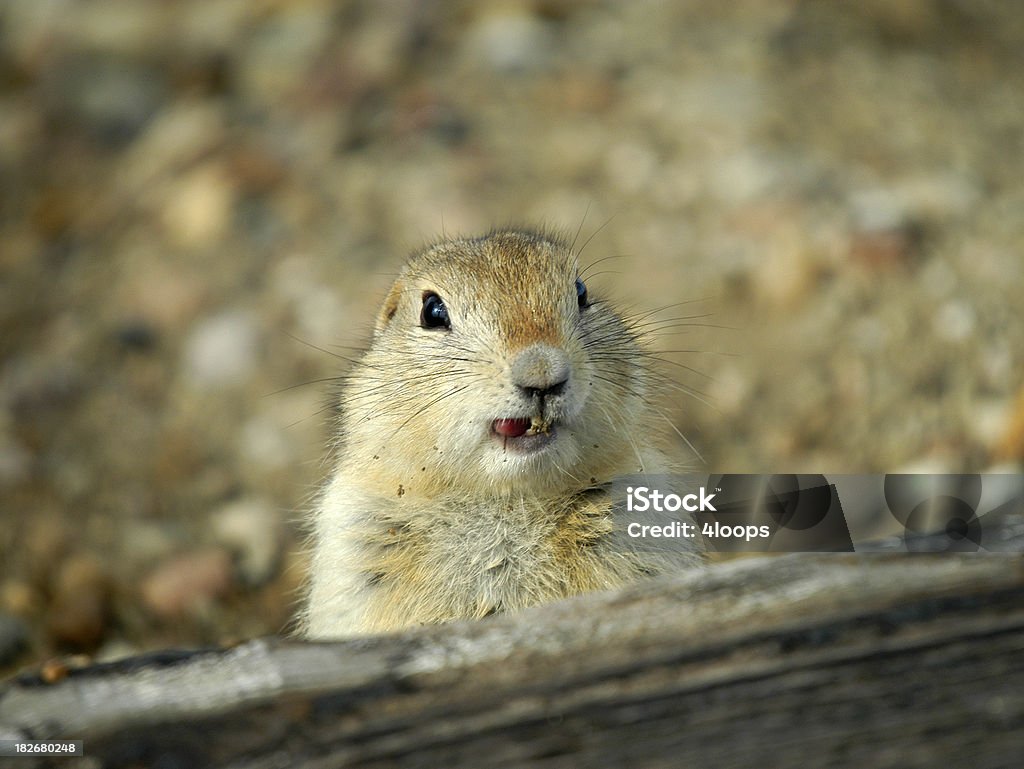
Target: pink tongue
x=511, y=428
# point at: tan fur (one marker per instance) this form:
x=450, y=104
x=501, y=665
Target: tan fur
x=428, y=517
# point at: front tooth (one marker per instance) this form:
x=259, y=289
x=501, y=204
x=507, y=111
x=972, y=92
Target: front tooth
x=539, y=425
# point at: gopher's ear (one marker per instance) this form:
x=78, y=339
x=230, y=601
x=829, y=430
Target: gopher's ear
x=390, y=307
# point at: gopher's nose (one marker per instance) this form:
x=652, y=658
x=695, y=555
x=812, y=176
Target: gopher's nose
x=540, y=370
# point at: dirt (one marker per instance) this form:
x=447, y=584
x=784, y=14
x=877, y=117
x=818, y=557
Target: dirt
x=201, y=204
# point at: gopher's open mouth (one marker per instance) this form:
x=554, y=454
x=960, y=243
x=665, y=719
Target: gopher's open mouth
x=524, y=434
x=513, y=428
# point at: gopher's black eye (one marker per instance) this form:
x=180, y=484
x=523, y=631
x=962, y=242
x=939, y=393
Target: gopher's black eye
x=581, y=293
x=435, y=314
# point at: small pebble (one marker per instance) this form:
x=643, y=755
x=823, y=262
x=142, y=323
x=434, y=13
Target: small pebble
x=955, y=321
x=13, y=638
x=509, y=42
x=147, y=542
x=197, y=210
x=115, y=650
x=251, y=529
x=78, y=616
x=222, y=350
x=187, y=584
x=876, y=210
x=987, y=421
x=1011, y=443
x=19, y=597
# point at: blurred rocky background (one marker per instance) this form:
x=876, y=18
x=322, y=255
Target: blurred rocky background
x=201, y=203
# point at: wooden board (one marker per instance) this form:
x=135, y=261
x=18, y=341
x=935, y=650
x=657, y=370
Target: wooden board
x=880, y=660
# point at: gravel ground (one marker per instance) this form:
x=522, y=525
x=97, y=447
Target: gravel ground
x=201, y=204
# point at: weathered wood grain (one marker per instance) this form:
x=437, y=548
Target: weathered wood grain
x=881, y=660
